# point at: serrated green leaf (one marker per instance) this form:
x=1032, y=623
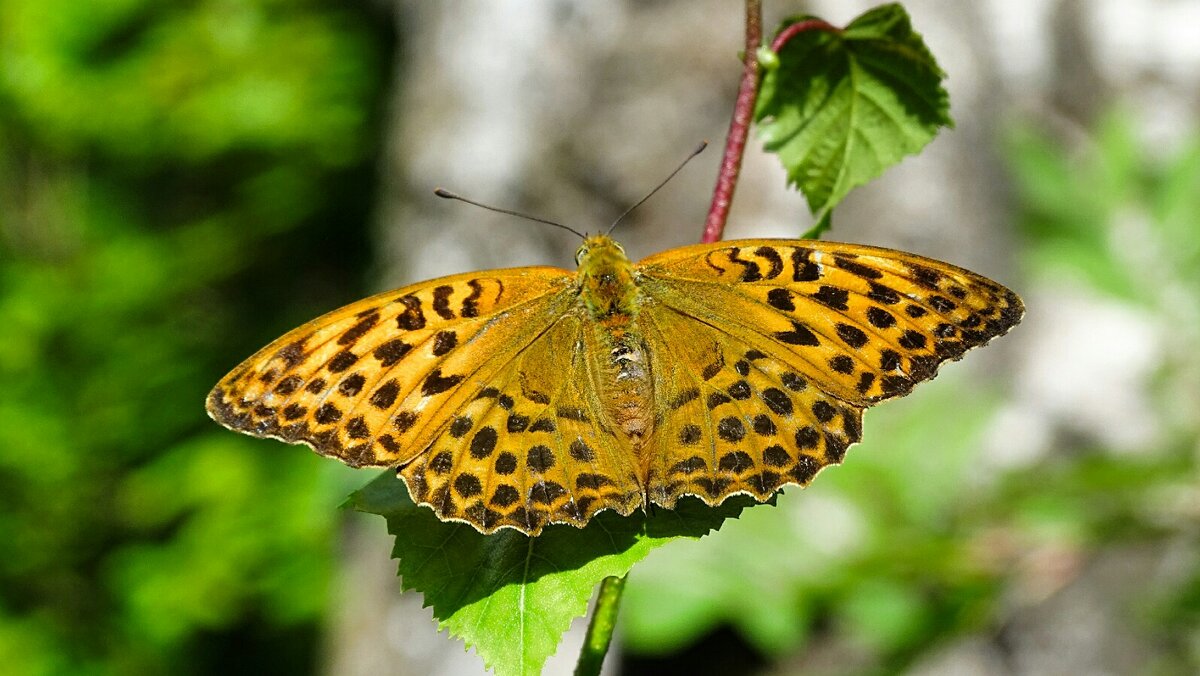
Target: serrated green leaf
x=842, y=106
x=823, y=225
x=510, y=596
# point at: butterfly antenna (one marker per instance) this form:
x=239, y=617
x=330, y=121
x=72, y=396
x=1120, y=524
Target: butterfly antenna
x=452, y=196
x=699, y=149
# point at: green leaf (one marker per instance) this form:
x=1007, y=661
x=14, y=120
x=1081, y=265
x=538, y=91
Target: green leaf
x=823, y=225
x=841, y=106
x=510, y=596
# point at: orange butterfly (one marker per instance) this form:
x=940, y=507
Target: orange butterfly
x=523, y=397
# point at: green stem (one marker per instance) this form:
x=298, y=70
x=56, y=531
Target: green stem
x=600, y=631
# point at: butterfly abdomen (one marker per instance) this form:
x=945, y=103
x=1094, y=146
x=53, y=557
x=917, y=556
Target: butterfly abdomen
x=623, y=378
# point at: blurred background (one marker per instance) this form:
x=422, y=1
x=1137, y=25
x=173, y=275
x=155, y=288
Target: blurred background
x=180, y=183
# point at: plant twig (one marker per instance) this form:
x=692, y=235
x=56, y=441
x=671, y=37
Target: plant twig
x=743, y=112
x=600, y=631
x=739, y=128
x=801, y=27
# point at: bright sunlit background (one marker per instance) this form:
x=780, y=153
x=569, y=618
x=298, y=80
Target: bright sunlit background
x=182, y=182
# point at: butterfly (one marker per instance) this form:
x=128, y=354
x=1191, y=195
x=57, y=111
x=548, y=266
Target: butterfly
x=530, y=396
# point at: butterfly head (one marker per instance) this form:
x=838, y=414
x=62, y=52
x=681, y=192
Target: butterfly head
x=606, y=277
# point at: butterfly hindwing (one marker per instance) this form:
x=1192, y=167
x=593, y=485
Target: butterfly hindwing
x=737, y=419
x=532, y=446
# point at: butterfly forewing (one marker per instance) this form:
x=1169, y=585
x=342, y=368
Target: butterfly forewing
x=865, y=323
x=365, y=382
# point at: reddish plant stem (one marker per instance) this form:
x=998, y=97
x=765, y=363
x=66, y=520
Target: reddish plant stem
x=739, y=128
x=801, y=27
x=743, y=112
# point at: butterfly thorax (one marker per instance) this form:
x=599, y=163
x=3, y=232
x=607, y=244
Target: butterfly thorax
x=606, y=279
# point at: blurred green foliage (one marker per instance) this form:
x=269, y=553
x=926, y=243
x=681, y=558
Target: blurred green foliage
x=918, y=539
x=166, y=171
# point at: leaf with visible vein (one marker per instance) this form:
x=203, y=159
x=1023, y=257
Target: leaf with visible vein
x=840, y=107
x=510, y=596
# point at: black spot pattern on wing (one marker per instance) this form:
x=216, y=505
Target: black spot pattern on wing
x=831, y=329
x=846, y=326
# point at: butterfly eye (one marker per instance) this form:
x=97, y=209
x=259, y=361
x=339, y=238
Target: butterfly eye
x=579, y=254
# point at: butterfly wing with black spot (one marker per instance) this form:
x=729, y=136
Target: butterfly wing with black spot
x=373, y=382
x=737, y=418
x=776, y=346
x=530, y=445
